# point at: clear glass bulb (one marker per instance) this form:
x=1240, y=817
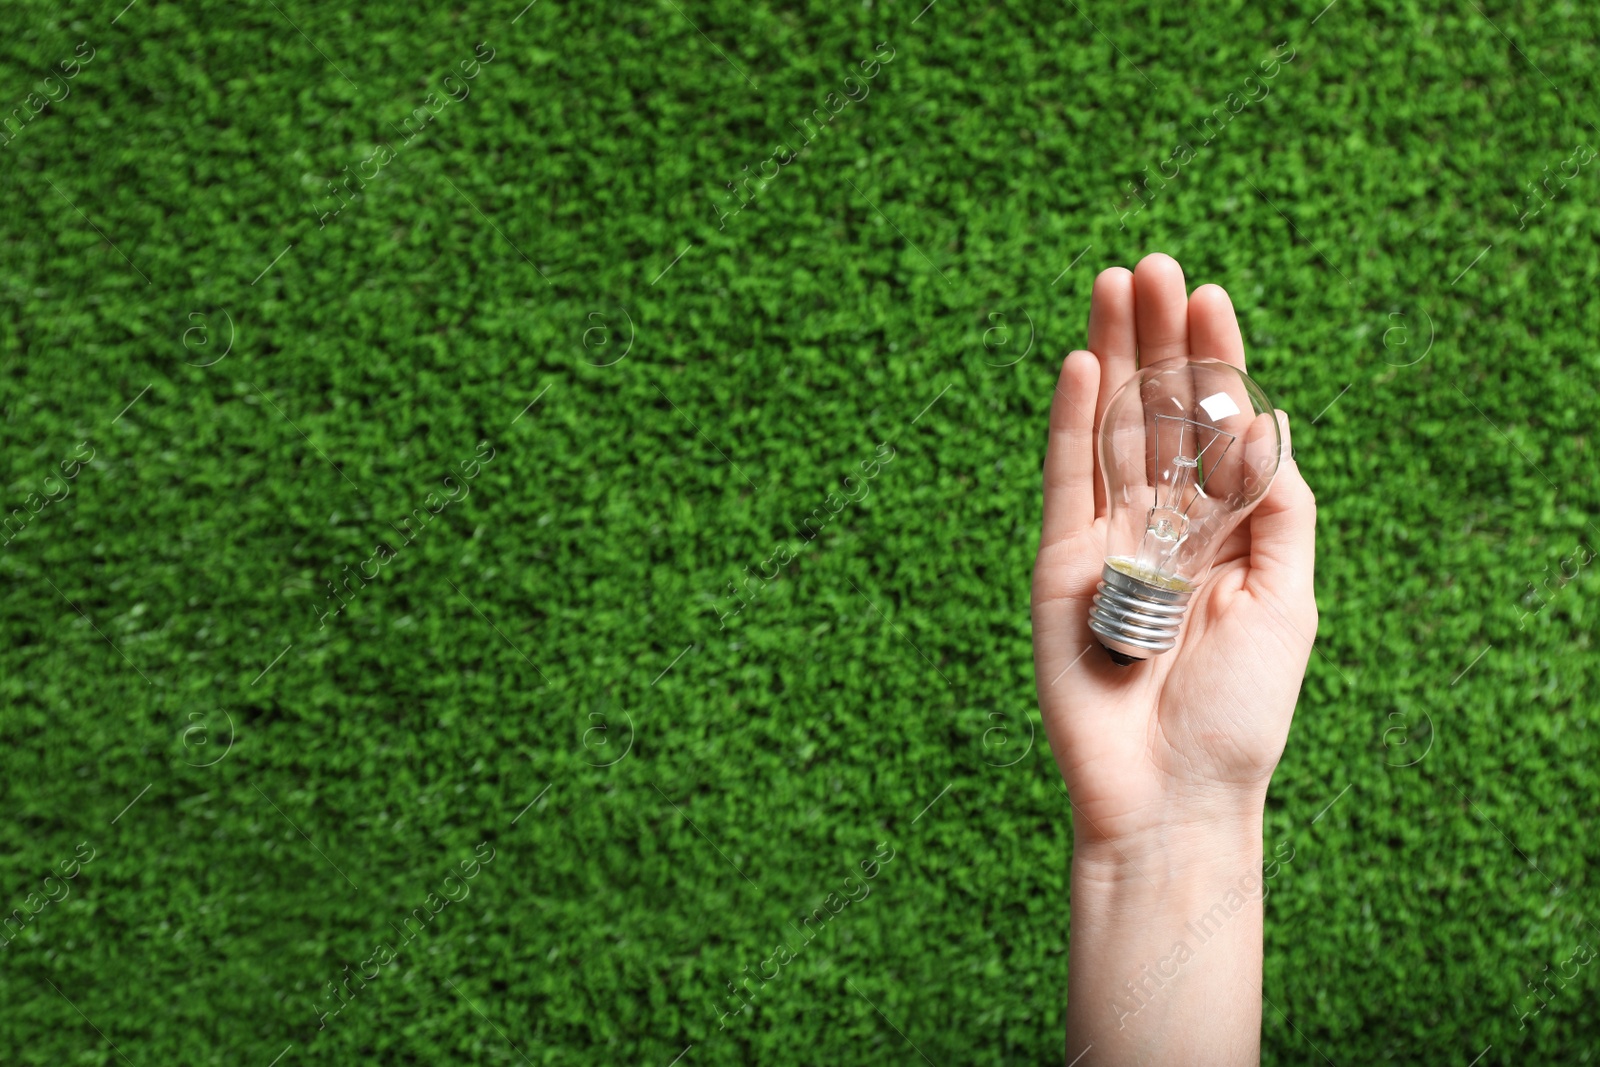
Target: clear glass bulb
x=1187, y=449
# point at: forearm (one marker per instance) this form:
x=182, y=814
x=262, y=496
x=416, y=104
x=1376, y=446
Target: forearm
x=1165, y=959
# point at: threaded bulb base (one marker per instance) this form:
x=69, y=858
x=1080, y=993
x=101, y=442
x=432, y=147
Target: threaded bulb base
x=1135, y=619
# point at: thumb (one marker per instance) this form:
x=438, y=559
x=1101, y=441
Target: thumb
x=1283, y=541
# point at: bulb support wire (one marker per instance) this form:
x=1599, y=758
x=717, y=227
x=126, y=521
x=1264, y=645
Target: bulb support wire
x=1177, y=488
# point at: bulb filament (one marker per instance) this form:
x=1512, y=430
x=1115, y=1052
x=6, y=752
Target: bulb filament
x=1167, y=524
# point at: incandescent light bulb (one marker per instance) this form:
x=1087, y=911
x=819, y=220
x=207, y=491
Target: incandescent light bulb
x=1187, y=449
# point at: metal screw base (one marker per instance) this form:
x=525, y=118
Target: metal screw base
x=1134, y=619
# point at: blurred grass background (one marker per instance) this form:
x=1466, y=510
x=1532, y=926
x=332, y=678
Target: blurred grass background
x=545, y=274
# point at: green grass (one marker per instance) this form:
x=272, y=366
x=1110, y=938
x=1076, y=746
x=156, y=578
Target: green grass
x=911, y=281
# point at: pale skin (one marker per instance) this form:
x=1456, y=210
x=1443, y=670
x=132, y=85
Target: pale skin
x=1166, y=761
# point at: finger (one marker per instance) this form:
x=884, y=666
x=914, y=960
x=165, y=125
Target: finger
x=1069, y=468
x=1123, y=443
x=1213, y=327
x=1283, y=542
x=1113, y=338
x=1161, y=309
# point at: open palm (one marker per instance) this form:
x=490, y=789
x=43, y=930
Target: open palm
x=1198, y=730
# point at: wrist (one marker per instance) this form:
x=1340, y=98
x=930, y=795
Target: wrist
x=1186, y=843
x=1169, y=920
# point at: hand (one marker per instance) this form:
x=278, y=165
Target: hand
x=1190, y=738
